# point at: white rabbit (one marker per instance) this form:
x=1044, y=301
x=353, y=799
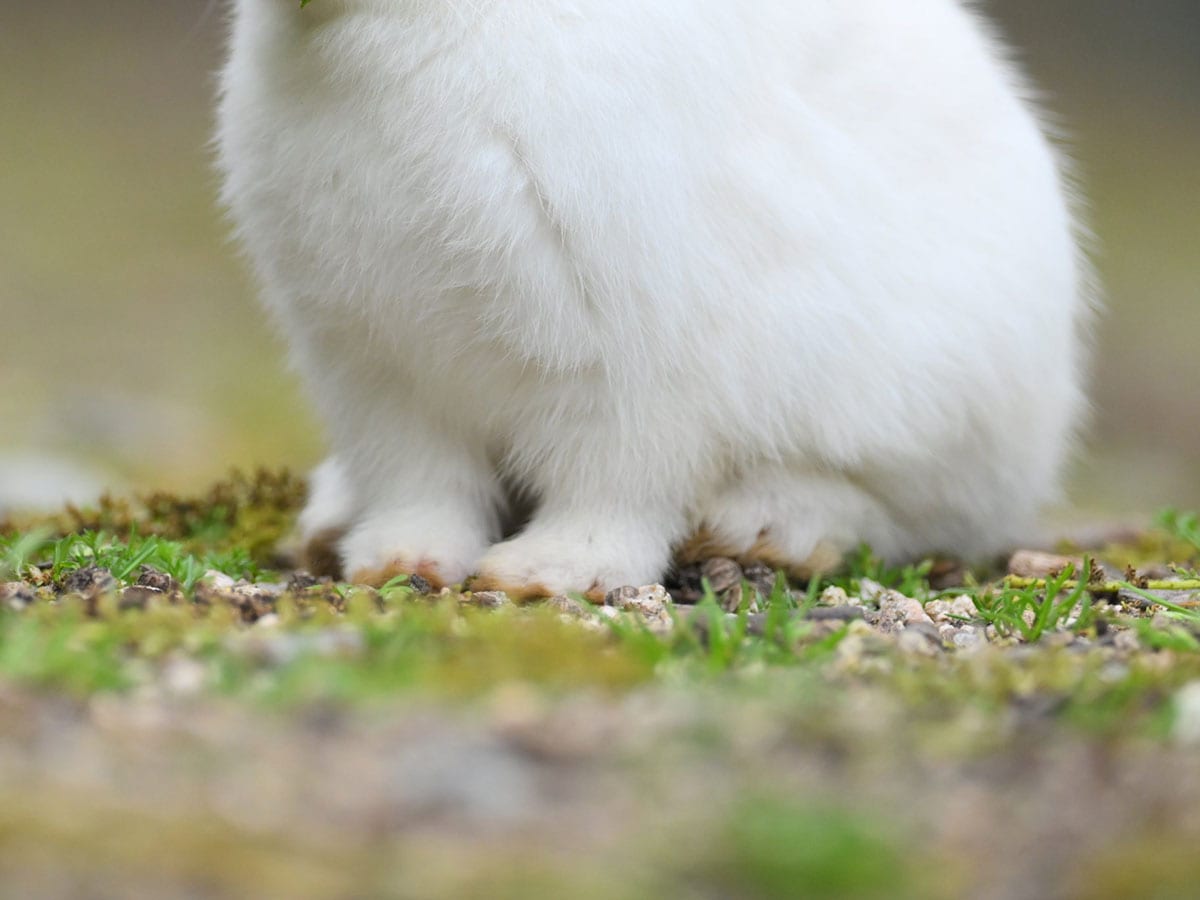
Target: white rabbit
x=764, y=278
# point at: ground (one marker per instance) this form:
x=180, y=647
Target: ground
x=181, y=715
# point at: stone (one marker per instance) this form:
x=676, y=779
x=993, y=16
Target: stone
x=870, y=591
x=836, y=596
x=896, y=611
x=722, y=574
x=1037, y=564
x=651, y=602
x=958, y=609
x=218, y=581
x=487, y=599
x=88, y=581
x=156, y=580
x=761, y=576
x=17, y=595
x=968, y=637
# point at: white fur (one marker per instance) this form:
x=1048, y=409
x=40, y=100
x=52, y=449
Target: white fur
x=799, y=271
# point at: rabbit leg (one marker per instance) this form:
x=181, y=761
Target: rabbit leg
x=431, y=509
x=326, y=518
x=577, y=550
x=607, y=517
x=410, y=483
x=801, y=521
x=426, y=501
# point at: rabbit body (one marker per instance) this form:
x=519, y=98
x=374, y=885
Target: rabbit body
x=759, y=278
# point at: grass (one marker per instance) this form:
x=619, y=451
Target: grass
x=1185, y=528
x=124, y=558
x=366, y=654
x=86, y=636
x=751, y=753
x=1033, y=610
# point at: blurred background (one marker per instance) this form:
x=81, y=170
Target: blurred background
x=133, y=354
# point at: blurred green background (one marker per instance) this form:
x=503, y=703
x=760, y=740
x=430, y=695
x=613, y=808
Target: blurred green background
x=133, y=352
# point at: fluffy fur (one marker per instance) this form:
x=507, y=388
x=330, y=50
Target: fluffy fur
x=776, y=276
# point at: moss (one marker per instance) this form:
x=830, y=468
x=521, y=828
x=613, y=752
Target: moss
x=249, y=512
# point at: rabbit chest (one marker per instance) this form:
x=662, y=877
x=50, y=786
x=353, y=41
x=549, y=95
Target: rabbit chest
x=403, y=175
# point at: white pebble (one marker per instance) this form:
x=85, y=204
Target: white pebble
x=948, y=610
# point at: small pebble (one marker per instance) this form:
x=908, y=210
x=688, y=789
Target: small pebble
x=870, y=591
x=958, y=609
x=910, y=611
x=89, y=580
x=618, y=597
x=1036, y=564
x=302, y=581
x=651, y=602
x=722, y=574
x=487, y=599
x=896, y=611
x=762, y=577
x=734, y=597
x=967, y=637
x=836, y=596
x=17, y=595
x=218, y=581
x=156, y=580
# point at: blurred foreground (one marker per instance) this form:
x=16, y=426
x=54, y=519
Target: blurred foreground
x=176, y=722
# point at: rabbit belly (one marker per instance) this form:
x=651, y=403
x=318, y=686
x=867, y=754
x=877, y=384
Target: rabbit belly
x=649, y=252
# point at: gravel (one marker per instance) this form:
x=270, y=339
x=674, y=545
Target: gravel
x=411, y=797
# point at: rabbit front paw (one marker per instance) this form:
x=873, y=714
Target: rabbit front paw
x=436, y=545
x=797, y=520
x=562, y=558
